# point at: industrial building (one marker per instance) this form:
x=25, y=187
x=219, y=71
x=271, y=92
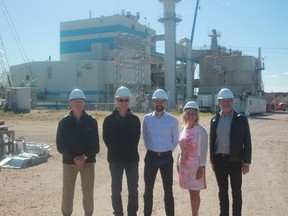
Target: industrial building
x=96, y=55
x=221, y=68
x=100, y=54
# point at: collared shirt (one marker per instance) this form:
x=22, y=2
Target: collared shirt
x=160, y=134
x=223, y=133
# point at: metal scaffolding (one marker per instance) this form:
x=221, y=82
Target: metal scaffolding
x=129, y=65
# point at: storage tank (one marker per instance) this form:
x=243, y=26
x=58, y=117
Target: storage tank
x=228, y=70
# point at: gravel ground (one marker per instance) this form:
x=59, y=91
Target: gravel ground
x=37, y=190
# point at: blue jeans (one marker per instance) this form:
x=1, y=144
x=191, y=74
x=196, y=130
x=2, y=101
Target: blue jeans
x=132, y=176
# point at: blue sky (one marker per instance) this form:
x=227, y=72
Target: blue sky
x=244, y=25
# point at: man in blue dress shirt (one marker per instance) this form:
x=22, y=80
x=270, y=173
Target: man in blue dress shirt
x=160, y=134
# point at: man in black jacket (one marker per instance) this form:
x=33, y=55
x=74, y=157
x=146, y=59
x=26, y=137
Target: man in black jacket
x=77, y=140
x=230, y=151
x=121, y=134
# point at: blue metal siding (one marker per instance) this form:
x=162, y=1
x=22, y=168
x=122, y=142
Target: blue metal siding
x=101, y=30
x=87, y=31
x=67, y=47
x=83, y=45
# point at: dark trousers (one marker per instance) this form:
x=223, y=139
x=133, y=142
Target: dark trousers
x=150, y=172
x=224, y=169
x=132, y=176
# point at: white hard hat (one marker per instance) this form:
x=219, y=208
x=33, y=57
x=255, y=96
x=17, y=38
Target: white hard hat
x=122, y=92
x=225, y=93
x=160, y=94
x=191, y=105
x=77, y=94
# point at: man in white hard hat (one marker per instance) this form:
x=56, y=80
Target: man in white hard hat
x=78, y=141
x=121, y=134
x=230, y=151
x=160, y=134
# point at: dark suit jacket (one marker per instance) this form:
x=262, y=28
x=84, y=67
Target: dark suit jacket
x=240, y=138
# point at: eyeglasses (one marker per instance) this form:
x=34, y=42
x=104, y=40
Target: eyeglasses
x=226, y=100
x=159, y=101
x=123, y=100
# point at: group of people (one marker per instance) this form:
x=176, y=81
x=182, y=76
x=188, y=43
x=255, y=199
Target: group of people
x=77, y=140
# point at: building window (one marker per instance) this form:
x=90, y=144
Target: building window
x=79, y=74
x=27, y=77
x=49, y=75
x=133, y=27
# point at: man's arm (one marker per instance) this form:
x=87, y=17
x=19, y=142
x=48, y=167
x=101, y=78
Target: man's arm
x=175, y=133
x=247, y=143
x=105, y=134
x=137, y=129
x=61, y=142
x=93, y=147
x=144, y=131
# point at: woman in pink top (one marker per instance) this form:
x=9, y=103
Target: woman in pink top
x=193, y=141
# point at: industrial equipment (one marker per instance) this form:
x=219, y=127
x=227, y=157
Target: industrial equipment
x=194, y=23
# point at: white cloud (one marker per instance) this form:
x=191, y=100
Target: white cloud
x=225, y=3
x=272, y=76
x=286, y=73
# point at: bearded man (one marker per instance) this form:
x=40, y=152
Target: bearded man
x=160, y=134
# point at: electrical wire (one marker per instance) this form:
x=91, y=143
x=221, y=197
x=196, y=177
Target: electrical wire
x=16, y=38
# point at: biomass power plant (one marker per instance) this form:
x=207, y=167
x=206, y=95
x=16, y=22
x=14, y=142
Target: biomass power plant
x=100, y=54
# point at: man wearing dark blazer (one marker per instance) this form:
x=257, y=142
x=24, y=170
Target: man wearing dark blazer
x=230, y=151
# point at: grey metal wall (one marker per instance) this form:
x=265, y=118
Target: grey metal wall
x=231, y=71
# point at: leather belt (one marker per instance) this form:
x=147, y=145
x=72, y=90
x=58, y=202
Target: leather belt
x=222, y=155
x=160, y=154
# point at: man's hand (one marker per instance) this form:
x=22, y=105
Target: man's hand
x=245, y=168
x=80, y=160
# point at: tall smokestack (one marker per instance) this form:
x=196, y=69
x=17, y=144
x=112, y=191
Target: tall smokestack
x=169, y=19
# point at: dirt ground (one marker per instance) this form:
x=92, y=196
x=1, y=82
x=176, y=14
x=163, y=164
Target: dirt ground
x=37, y=190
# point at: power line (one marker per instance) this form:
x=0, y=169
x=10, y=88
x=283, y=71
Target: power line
x=16, y=38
